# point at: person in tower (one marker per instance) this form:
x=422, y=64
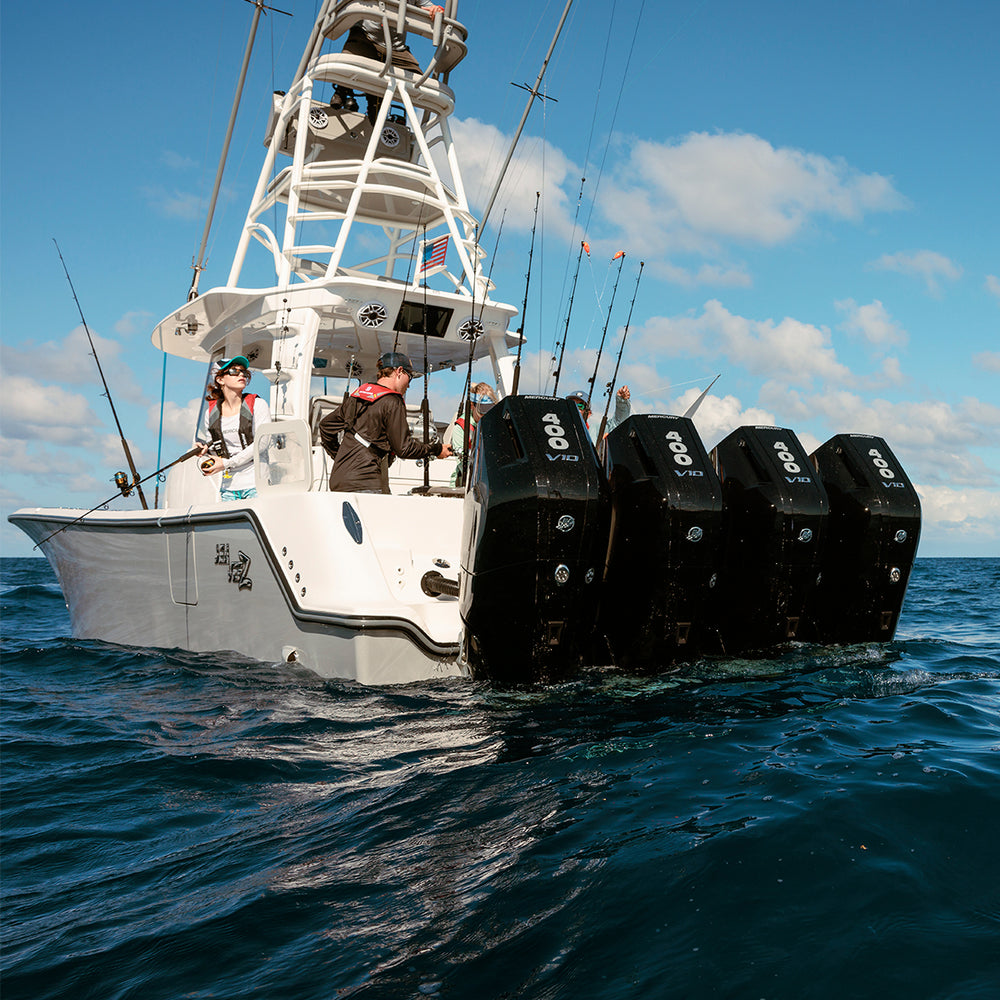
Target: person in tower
x=623, y=410
x=481, y=398
x=373, y=422
x=227, y=429
x=367, y=39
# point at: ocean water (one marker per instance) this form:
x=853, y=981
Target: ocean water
x=823, y=825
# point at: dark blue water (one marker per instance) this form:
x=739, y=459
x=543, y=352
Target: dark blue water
x=822, y=826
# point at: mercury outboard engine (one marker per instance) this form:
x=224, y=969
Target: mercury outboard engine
x=665, y=547
x=776, y=513
x=534, y=539
x=874, y=526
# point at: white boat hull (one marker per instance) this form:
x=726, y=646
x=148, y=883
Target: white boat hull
x=289, y=579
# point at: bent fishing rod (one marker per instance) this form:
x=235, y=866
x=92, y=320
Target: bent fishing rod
x=614, y=378
x=107, y=392
x=124, y=488
x=600, y=350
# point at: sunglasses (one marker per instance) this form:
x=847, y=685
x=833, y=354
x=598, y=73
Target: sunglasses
x=238, y=372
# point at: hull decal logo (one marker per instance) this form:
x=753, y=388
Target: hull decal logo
x=239, y=572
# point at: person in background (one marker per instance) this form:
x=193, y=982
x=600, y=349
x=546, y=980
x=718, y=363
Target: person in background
x=481, y=398
x=623, y=410
x=227, y=429
x=373, y=422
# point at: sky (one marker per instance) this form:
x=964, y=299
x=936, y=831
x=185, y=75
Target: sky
x=810, y=187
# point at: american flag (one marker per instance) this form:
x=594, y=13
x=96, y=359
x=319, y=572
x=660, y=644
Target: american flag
x=433, y=253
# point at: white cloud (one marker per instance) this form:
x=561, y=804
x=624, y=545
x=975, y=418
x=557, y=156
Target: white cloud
x=30, y=411
x=131, y=322
x=71, y=361
x=990, y=360
x=178, y=421
x=927, y=265
x=177, y=161
x=932, y=438
x=175, y=204
x=686, y=194
x=992, y=285
x=719, y=416
x=871, y=322
x=536, y=166
x=952, y=516
x=790, y=349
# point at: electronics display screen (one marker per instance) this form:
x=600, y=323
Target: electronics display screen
x=411, y=319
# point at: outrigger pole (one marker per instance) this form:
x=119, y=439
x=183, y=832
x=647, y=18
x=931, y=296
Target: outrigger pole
x=534, y=92
x=621, y=350
x=199, y=265
x=107, y=391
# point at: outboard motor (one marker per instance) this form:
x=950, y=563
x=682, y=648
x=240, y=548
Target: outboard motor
x=776, y=520
x=534, y=539
x=666, y=540
x=873, y=533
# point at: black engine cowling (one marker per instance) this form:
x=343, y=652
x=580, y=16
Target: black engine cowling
x=776, y=512
x=534, y=541
x=665, y=547
x=874, y=529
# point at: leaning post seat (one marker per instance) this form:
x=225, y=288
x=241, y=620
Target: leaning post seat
x=775, y=514
x=534, y=537
x=659, y=592
x=874, y=529
x=445, y=33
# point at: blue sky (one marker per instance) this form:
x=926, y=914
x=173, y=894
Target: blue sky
x=812, y=187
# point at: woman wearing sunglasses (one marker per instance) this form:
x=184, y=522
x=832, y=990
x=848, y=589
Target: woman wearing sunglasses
x=227, y=429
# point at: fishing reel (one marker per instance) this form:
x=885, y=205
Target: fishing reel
x=214, y=451
x=124, y=484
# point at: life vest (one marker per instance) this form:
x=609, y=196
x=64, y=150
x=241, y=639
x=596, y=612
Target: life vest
x=246, y=423
x=368, y=393
x=460, y=423
x=371, y=391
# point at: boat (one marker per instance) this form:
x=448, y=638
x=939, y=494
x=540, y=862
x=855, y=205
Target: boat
x=645, y=552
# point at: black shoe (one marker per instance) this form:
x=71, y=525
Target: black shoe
x=343, y=99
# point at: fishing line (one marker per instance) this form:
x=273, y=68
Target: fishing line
x=614, y=116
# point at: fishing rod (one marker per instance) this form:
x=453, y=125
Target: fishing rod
x=107, y=391
x=524, y=308
x=466, y=407
x=425, y=405
x=592, y=379
x=569, y=312
x=614, y=378
x=123, y=490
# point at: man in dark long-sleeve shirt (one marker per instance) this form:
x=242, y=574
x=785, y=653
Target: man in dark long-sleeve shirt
x=373, y=419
